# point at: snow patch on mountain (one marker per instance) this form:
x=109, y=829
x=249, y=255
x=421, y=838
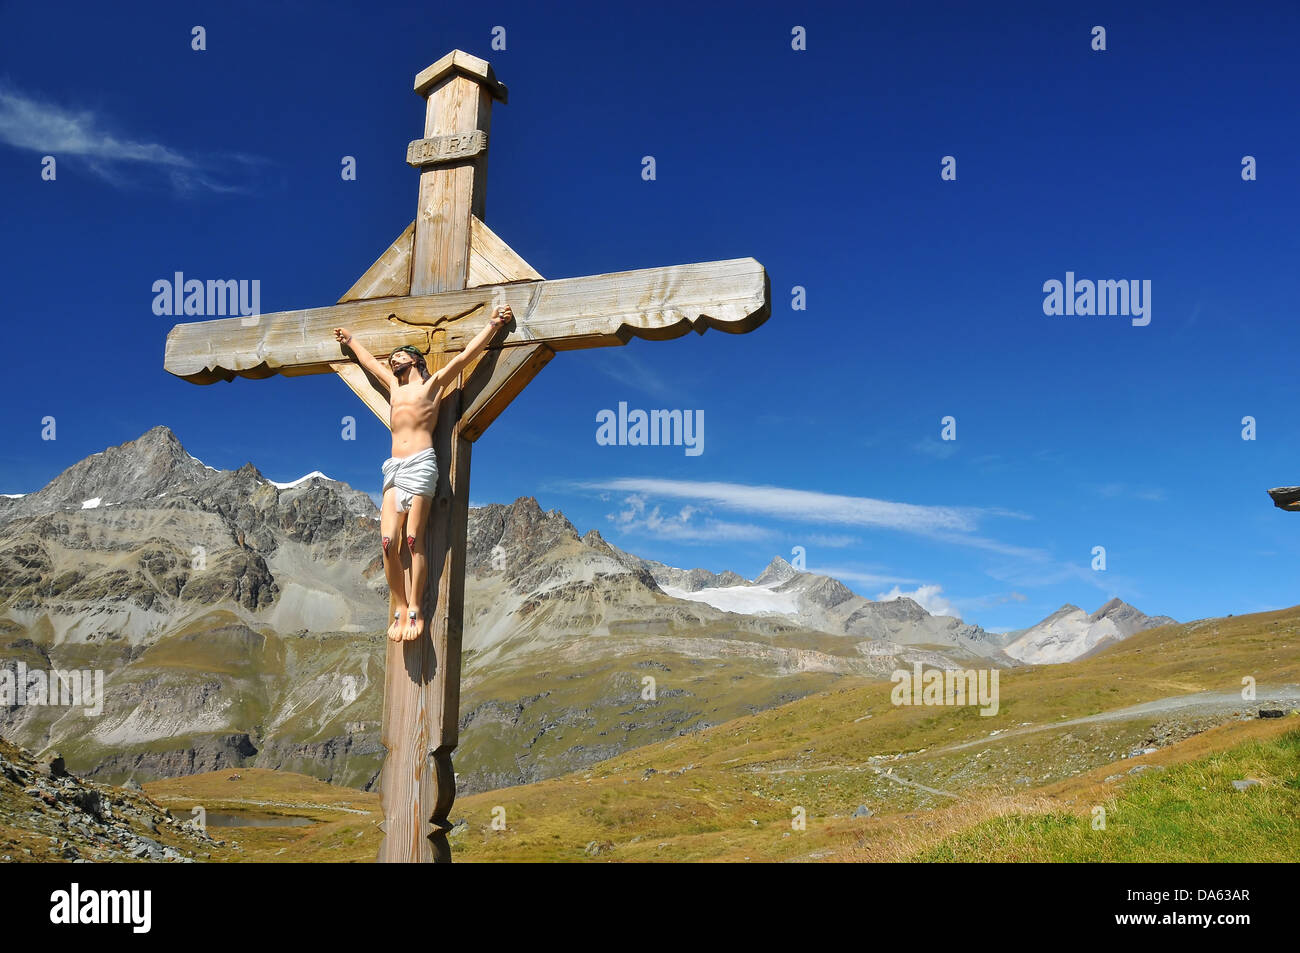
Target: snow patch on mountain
x=301, y=479
x=748, y=600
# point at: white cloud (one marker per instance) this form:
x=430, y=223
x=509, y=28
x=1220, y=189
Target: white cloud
x=863, y=578
x=803, y=505
x=26, y=123
x=943, y=523
x=929, y=598
x=636, y=518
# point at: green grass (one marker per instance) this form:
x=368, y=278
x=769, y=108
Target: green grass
x=1189, y=813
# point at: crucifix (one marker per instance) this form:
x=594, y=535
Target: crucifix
x=435, y=288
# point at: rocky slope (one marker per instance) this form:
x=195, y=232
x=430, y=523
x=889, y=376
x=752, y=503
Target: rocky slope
x=47, y=814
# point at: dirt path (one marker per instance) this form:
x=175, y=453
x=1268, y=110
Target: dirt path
x=1283, y=697
x=1199, y=702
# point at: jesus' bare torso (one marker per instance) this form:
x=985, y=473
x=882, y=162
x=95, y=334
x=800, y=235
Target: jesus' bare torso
x=413, y=415
x=414, y=399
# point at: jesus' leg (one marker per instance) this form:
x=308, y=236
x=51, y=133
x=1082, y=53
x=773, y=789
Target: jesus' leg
x=391, y=527
x=415, y=525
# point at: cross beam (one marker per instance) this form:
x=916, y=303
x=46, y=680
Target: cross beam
x=571, y=313
x=434, y=288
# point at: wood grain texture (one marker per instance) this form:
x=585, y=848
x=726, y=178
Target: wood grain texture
x=508, y=374
x=390, y=275
x=504, y=372
x=422, y=677
x=451, y=194
x=492, y=261
x=465, y=64
x=566, y=314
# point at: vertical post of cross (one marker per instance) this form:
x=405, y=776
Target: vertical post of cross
x=422, y=677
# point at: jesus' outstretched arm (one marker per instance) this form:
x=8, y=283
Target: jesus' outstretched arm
x=500, y=318
x=365, y=358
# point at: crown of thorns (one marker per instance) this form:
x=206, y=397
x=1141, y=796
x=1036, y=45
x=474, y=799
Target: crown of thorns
x=410, y=349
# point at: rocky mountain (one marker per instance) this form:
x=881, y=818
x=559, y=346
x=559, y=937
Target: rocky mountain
x=822, y=603
x=240, y=621
x=1070, y=633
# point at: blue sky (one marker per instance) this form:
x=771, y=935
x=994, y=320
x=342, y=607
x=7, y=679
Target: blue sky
x=822, y=427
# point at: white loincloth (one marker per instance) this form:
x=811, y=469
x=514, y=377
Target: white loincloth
x=416, y=475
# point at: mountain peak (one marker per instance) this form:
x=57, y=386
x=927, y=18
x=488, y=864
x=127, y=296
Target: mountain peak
x=1114, y=605
x=151, y=464
x=1068, y=634
x=777, y=572
x=597, y=542
x=161, y=434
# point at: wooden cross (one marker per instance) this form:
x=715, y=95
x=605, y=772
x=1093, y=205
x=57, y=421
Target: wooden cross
x=435, y=288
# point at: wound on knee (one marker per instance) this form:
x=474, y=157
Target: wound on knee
x=410, y=542
x=387, y=540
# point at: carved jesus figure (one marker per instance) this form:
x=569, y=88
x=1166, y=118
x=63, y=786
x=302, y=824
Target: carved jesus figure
x=411, y=473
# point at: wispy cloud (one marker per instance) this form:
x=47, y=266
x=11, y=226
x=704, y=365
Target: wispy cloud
x=943, y=523
x=1026, y=567
x=863, y=578
x=635, y=517
x=1038, y=576
x=996, y=599
x=801, y=505
x=50, y=129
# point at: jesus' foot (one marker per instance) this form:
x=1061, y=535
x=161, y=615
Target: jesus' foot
x=395, y=627
x=414, y=625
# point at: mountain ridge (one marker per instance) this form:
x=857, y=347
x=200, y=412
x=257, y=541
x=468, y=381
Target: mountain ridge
x=239, y=621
